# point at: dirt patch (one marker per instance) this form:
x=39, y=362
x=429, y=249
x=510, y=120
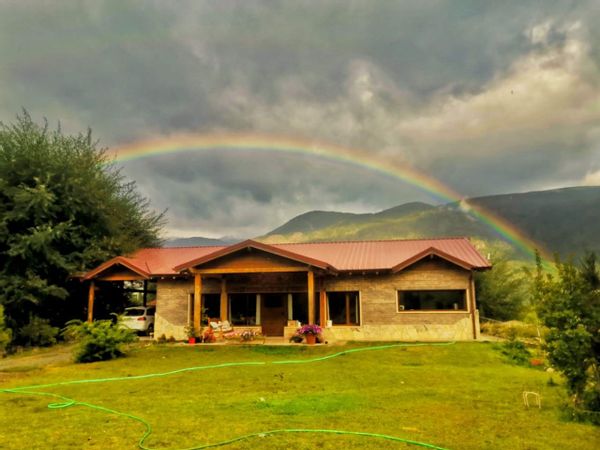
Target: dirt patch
x=38, y=358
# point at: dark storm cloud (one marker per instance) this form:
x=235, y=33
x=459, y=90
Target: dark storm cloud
x=486, y=96
x=231, y=193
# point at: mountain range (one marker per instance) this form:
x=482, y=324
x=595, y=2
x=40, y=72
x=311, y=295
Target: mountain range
x=564, y=221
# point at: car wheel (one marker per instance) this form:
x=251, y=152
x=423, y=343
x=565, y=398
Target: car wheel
x=150, y=330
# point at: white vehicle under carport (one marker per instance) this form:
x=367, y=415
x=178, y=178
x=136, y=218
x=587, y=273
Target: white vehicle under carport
x=139, y=318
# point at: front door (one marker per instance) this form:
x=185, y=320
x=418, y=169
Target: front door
x=273, y=314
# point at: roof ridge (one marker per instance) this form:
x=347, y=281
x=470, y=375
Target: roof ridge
x=185, y=246
x=444, y=238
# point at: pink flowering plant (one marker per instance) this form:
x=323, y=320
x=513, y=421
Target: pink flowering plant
x=309, y=329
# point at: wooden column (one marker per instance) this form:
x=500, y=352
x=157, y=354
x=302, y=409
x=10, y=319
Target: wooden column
x=323, y=304
x=471, y=306
x=145, y=294
x=223, y=313
x=290, y=308
x=258, y=303
x=197, y=301
x=90, y=315
x=311, y=297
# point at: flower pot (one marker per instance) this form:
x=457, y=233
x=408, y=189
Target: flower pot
x=192, y=340
x=311, y=339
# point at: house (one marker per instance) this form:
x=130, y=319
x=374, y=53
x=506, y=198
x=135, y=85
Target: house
x=406, y=290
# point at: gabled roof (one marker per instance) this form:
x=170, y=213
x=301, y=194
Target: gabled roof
x=154, y=261
x=386, y=255
x=119, y=260
x=432, y=251
x=250, y=244
x=390, y=254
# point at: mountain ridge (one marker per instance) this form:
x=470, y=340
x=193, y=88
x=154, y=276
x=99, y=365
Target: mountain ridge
x=561, y=220
x=573, y=212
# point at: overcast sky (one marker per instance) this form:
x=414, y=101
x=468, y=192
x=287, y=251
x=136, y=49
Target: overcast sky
x=487, y=97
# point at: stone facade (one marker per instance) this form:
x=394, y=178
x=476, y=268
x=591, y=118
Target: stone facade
x=172, y=303
x=380, y=318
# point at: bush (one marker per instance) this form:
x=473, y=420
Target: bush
x=37, y=333
x=5, y=333
x=513, y=330
x=516, y=352
x=100, y=340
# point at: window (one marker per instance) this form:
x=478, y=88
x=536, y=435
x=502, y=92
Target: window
x=212, y=306
x=140, y=292
x=447, y=300
x=300, y=307
x=243, y=309
x=344, y=308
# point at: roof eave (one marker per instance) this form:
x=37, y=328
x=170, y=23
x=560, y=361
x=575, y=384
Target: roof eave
x=112, y=262
x=432, y=251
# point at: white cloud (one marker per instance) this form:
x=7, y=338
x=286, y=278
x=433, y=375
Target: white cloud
x=591, y=179
x=543, y=95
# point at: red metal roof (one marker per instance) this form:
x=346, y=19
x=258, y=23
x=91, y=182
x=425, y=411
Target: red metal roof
x=392, y=255
x=384, y=255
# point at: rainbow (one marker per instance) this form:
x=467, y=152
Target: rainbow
x=184, y=143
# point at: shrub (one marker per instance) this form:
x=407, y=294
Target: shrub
x=513, y=330
x=100, y=340
x=516, y=352
x=37, y=333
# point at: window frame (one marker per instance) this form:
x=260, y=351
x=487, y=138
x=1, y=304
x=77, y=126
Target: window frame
x=464, y=310
x=358, y=305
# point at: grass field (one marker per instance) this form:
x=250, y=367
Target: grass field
x=461, y=396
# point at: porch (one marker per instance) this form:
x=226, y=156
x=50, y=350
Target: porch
x=273, y=303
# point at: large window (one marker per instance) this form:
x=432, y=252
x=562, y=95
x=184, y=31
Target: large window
x=344, y=308
x=300, y=307
x=243, y=309
x=447, y=300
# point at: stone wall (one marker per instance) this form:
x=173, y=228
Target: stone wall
x=380, y=318
x=172, y=308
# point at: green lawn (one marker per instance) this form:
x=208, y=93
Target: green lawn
x=461, y=396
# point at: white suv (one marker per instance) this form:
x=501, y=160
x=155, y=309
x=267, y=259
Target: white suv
x=139, y=318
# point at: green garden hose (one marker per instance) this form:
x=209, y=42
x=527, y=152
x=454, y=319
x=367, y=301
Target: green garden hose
x=66, y=402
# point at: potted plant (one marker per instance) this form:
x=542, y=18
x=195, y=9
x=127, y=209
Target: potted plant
x=310, y=333
x=191, y=333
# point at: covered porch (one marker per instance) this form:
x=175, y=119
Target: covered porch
x=272, y=302
x=259, y=286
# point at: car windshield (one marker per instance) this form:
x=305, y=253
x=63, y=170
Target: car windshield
x=134, y=312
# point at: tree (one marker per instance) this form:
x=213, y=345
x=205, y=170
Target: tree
x=64, y=208
x=5, y=333
x=502, y=291
x=569, y=305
